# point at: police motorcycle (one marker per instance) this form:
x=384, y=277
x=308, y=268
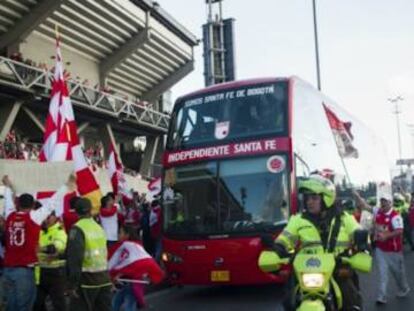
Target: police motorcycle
x=316, y=288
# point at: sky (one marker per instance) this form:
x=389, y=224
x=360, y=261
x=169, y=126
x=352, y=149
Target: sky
x=366, y=53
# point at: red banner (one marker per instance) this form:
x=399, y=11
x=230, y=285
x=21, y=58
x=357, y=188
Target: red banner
x=254, y=147
x=342, y=134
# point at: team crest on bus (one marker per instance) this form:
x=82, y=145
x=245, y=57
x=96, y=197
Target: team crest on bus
x=222, y=129
x=276, y=164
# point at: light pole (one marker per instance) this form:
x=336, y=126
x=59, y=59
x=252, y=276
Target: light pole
x=397, y=112
x=409, y=171
x=411, y=127
x=315, y=29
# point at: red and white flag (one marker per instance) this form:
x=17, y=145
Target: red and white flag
x=342, y=133
x=129, y=260
x=60, y=122
x=43, y=196
x=61, y=141
x=116, y=174
x=154, y=188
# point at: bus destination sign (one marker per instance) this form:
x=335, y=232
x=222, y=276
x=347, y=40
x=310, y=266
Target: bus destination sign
x=255, y=147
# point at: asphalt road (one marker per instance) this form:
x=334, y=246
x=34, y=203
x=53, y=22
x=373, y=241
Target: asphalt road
x=266, y=298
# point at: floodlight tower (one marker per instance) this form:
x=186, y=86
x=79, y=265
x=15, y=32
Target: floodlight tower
x=218, y=40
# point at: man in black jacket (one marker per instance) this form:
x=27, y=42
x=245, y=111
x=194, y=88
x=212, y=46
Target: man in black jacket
x=88, y=279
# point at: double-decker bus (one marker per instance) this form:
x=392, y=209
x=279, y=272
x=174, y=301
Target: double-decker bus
x=233, y=155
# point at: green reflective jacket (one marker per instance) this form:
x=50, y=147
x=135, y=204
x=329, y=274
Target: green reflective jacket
x=301, y=231
x=55, y=235
x=402, y=208
x=95, y=257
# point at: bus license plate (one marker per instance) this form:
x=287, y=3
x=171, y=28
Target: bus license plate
x=220, y=276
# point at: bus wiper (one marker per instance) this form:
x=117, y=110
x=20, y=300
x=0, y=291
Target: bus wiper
x=180, y=141
x=266, y=227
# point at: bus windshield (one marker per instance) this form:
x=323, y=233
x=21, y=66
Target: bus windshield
x=257, y=110
x=225, y=197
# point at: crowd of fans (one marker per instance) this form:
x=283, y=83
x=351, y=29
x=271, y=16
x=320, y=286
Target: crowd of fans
x=122, y=217
x=15, y=148
x=26, y=73
x=95, y=155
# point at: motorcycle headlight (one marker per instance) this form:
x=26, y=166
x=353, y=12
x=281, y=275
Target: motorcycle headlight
x=313, y=280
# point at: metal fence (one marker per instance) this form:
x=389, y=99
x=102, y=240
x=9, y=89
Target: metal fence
x=38, y=81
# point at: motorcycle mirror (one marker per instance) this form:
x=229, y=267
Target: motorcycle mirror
x=348, y=204
x=361, y=262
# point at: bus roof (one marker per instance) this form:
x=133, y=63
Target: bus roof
x=232, y=84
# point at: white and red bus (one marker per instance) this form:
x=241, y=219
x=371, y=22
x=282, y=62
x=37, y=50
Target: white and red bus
x=233, y=154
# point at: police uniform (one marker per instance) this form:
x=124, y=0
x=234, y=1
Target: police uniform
x=312, y=239
x=50, y=272
x=313, y=234
x=87, y=267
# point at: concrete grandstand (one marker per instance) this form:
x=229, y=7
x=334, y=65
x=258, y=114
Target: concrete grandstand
x=120, y=57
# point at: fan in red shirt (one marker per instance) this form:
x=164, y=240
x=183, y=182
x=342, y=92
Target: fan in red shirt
x=21, y=241
x=128, y=265
x=132, y=215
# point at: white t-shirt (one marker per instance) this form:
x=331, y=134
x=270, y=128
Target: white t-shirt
x=110, y=226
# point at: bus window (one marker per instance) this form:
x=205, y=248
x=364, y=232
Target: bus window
x=233, y=196
x=251, y=197
x=194, y=208
x=262, y=110
x=203, y=128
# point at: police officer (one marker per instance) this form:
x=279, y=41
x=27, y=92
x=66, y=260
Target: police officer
x=88, y=279
x=50, y=273
x=315, y=230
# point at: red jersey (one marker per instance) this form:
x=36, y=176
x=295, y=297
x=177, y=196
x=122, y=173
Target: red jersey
x=22, y=239
x=23, y=228
x=390, y=222
x=132, y=217
x=69, y=216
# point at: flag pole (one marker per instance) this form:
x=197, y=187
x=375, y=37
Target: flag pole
x=346, y=171
x=57, y=31
x=57, y=34
x=133, y=281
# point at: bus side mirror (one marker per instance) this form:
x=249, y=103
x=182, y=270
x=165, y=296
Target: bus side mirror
x=361, y=240
x=348, y=204
x=267, y=240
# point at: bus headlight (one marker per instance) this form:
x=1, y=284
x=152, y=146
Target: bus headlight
x=168, y=257
x=313, y=280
